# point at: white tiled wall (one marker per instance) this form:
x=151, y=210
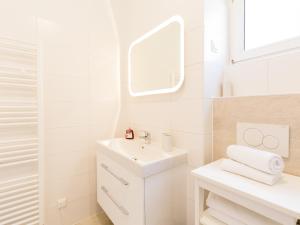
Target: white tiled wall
x=18, y=21
x=181, y=113
x=186, y=113
x=81, y=94
x=80, y=67
x=278, y=74
x=215, y=45
x=78, y=62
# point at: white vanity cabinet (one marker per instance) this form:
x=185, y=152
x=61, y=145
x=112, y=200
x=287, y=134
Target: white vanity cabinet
x=119, y=193
x=131, y=199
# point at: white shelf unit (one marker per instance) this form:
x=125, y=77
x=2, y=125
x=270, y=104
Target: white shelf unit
x=280, y=202
x=20, y=148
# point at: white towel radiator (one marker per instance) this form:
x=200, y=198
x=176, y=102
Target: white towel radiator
x=20, y=183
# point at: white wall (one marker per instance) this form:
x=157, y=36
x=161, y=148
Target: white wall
x=278, y=74
x=181, y=113
x=81, y=100
x=215, y=55
x=18, y=20
x=215, y=45
x=274, y=74
x=79, y=59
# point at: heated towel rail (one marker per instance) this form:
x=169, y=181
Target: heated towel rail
x=20, y=183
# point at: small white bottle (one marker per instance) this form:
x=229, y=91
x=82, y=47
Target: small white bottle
x=166, y=142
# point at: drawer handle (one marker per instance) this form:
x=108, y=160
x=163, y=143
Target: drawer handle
x=123, y=181
x=121, y=208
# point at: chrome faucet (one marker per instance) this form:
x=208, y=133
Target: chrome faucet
x=146, y=136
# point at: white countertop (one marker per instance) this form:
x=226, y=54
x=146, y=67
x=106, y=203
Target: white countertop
x=284, y=196
x=143, y=160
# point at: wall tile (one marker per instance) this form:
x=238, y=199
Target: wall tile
x=150, y=113
x=65, y=49
x=66, y=165
x=278, y=74
x=100, y=84
x=196, y=145
x=190, y=12
x=155, y=131
x=271, y=109
x=194, y=46
x=181, y=113
x=187, y=116
x=250, y=78
x=21, y=27
x=81, y=96
x=66, y=140
x=213, y=78
x=76, y=210
x=284, y=74
x=71, y=187
x=192, y=87
x=66, y=89
x=64, y=114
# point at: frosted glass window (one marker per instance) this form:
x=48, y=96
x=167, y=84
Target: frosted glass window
x=270, y=21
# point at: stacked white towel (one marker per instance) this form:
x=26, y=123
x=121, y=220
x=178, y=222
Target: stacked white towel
x=264, y=161
x=246, y=171
x=221, y=216
x=262, y=166
x=230, y=213
x=208, y=219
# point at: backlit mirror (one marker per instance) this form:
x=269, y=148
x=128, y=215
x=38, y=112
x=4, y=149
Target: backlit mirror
x=156, y=60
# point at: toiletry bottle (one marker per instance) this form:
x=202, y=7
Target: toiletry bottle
x=166, y=142
x=129, y=134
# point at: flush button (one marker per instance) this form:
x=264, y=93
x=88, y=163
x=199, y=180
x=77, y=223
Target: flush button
x=253, y=137
x=270, y=142
x=267, y=137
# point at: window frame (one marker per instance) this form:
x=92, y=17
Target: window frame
x=237, y=31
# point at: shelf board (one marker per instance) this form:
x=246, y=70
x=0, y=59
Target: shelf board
x=284, y=196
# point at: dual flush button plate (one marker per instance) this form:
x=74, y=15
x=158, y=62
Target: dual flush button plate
x=268, y=137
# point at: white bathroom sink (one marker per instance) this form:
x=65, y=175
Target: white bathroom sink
x=142, y=159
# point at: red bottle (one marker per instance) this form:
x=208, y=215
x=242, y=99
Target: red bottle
x=129, y=134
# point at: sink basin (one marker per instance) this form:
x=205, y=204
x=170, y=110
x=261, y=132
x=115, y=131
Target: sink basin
x=142, y=159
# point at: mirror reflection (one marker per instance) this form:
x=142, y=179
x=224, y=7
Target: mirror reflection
x=156, y=60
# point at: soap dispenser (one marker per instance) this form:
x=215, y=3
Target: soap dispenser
x=129, y=134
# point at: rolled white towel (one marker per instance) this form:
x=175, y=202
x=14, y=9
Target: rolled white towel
x=239, y=213
x=249, y=172
x=207, y=219
x=225, y=218
x=264, y=161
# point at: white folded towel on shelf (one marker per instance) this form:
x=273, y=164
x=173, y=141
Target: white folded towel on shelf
x=228, y=220
x=249, y=172
x=207, y=219
x=233, y=210
x=264, y=161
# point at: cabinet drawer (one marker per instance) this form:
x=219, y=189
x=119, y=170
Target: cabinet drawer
x=116, y=212
x=124, y=188
x=115, y=179
x=115, y=172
